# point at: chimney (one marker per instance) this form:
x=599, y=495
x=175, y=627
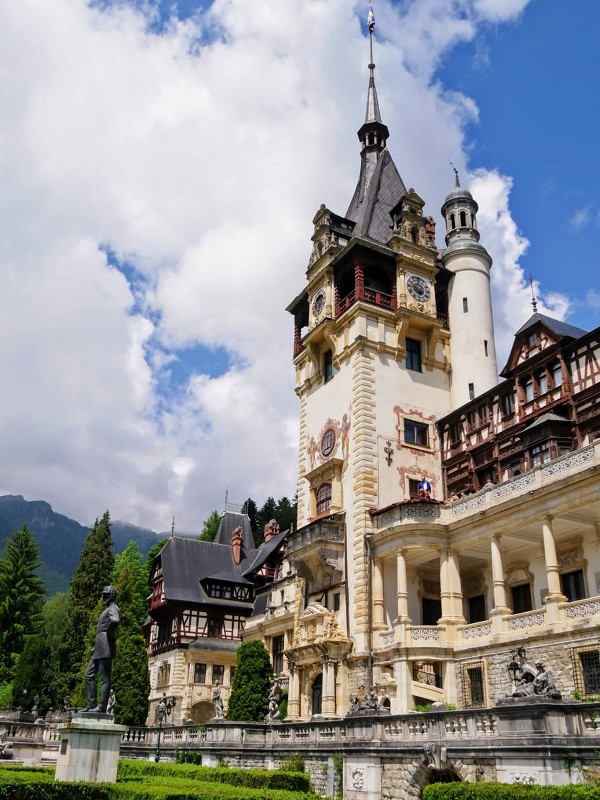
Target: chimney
x=237, y=537
x=271, y=530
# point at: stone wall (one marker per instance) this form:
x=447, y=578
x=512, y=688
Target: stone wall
x=555, y=654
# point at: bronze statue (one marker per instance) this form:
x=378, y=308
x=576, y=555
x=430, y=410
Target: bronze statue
x=104, y=652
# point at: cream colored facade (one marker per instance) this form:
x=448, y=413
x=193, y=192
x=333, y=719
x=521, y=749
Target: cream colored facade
x=421, y=599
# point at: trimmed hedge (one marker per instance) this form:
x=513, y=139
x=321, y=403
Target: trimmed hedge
x=144, y=781
x=249, y=778
x=509, y=791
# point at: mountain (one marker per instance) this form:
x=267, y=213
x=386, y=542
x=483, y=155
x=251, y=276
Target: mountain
x=60, y=538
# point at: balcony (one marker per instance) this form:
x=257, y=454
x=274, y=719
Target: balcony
x=371, y=296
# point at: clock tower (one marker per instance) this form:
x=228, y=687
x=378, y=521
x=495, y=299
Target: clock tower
x=372, y=361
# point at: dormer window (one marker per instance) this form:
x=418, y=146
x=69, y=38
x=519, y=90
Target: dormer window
x=531, y=340
x=227, y=591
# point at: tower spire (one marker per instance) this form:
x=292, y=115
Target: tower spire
x=373, y=114
x=533, y=300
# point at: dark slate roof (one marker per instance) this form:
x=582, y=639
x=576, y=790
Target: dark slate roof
x=370, y=209
x=555, y=325
x=229, y=577
x=264, y=551
x=549, y=416
x=185, y=562
x=229, y=522
x=260, y=603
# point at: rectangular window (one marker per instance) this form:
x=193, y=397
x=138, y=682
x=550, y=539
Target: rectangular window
x=336, y=601
x=590, y=668
x=471, y=391
x=475, y=678
x=508, y=405
x=455, y=432
x=556, y=371
x=572, y=585
x=477, y=611
x=531, y=340
x=521, y=598
x=432, y=610
x=199, y=673
x=540, y=454
x=278, y=645
x=218, y=671
x=413, y=355
x=528, y=389
x=416, y=433
x=465, y=305
x=413, y=488
x=542, y=382
x=327, y=366
x=485, y=346
x=213, y=628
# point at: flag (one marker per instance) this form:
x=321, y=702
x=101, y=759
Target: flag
x=371, y=19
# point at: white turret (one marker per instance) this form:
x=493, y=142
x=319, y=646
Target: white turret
x=474, y=367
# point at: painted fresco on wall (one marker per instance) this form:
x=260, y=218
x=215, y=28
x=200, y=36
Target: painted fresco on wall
x=333, y=442
x=411, y=421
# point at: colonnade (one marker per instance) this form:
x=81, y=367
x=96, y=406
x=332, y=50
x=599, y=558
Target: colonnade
x=451, y=595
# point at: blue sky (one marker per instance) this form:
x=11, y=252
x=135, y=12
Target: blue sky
x=535, y=83
x=158, y=183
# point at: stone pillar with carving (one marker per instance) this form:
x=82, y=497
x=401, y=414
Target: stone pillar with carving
x=328, y=702
x=555, y=595
x=500, y=609
x=293, y=708
x=378, y=597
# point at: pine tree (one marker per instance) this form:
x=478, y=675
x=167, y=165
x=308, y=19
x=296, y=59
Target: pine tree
x=130, y=670
x=251, y=509
x=32, y=674
x=249, y=699
x=285, y=514
x=92, y=574
x=140, y=589
x=210, y=527
x=265, y=515
x=21, y=598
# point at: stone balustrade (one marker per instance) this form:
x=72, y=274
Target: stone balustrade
x=444, y=514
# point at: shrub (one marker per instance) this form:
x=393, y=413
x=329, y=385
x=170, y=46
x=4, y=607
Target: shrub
x=510, y=791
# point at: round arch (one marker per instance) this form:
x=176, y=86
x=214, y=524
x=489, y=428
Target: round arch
x=202, y=712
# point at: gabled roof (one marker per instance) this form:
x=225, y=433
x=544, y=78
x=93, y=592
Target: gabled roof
x=557, y=330
x=229, y=522
x=557, y=326
x=264, y=551
x=185, y=562
x=374, y=199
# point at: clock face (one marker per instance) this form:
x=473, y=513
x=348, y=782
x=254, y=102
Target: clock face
x=318, y=303
x=418, y=288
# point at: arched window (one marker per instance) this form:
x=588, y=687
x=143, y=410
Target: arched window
x=323, y=498
x=452, y=221
x=414, y=234
x=463, y=219
x=370, y=139
x=317, y=694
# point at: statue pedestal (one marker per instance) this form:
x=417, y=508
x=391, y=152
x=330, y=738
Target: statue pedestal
x=89, y=748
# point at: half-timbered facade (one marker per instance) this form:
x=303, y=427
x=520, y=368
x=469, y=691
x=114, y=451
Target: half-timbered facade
x=202, y=594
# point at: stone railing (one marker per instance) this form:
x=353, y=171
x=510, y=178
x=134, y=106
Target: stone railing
x=393, y=732
x=528, y=619
x=582, y=608
x=410, y=513
x=525, y=483
x=476, y=630
x=314, y=532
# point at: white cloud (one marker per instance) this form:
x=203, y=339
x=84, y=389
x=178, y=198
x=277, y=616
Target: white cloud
x=201, y=166
x=579, y=219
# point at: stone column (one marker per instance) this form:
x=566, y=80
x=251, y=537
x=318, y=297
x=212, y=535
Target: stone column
x=402, y=584
x=293, y=711
x=328, y=702
x=500, y=609
x=555, y=594
x=403, y=680
x=378, y=607
x=455, y=586
x=449, y=682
